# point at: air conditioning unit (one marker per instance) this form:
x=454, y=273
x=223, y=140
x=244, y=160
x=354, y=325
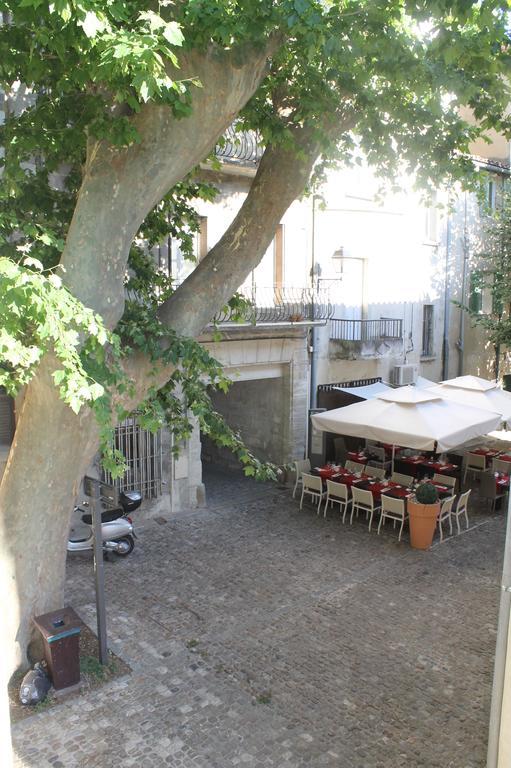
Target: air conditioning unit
x=404, y=374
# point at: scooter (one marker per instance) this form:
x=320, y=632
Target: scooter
x=116, y=527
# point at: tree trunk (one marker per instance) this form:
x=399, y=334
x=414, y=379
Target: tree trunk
x=281, y=177
x=52, y=446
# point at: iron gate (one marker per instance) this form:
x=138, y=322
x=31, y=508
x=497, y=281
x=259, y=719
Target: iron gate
x=143, y=453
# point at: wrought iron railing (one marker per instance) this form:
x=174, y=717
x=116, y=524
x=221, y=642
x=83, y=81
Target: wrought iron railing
x=280, y=305
x=241, y=146
x=366, y=330
x=349, y=384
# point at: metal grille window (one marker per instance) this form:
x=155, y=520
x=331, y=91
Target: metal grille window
x=6, y=418
x=143, y=453
x=427, y=330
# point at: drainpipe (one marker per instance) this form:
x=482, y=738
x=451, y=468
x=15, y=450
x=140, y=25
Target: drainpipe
x=461, y=341
x=447, y=303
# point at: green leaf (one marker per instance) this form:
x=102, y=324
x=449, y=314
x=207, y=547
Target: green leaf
x=172, y=33
x=29, y=261
x=92, y=24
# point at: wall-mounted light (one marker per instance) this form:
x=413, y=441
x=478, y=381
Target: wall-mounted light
x=337, y=257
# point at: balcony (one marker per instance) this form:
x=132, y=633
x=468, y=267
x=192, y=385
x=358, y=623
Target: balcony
x=350, y=339
x=278, y=306
x=240, y=147
x=384, y=329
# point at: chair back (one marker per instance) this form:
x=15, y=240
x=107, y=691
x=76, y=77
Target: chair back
x=312, y=482
x=303, y=465
x=463, y=500
x=397, y=477
x=378, y=472
x=476, y=461
x=362, y=497
x=337, y=490
x=488, y=486
x=446, y=506
x=377, y=452
x=445, y=480
x=390, y=504
x=354, y=466
x=501, y=466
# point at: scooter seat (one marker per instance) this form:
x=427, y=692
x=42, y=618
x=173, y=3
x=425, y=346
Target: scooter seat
x=107, y=515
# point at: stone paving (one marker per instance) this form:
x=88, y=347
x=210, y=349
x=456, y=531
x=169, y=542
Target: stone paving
x=260, y=635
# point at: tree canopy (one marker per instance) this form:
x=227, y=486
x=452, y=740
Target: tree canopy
x=109, y=107
x=344, y=79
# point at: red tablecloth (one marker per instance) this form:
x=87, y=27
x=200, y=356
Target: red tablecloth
x=361, y=458
x=438, y=467
x=505, y=457
x=443, y=490
x=413, y=459
x=392, y=489
x=488, y=452
x=341, y=475
x=327, y=472
x=502, y=482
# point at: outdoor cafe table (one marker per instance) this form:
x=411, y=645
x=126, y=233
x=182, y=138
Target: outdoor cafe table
x=358, y=456
x=417, y=462
x=488, y=453
x=341, y=475
x=367, y=483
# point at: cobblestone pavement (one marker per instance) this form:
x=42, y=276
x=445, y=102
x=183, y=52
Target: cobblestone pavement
x=263, y=636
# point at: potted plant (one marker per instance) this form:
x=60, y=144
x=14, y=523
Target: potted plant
x=423, y=510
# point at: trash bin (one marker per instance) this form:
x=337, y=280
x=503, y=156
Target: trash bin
x=61, y=636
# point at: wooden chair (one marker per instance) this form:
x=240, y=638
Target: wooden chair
x=337, y=493
x=445, y=480
x=501, y=466
x=300, y=466
x=406, y=480
x=489, y=490
x=462, y=508
x=313, y=487
x=445, y=514
x=393, y=509
x=475, y=463
x=354, y=466
x=363, y=501
x=373, y=471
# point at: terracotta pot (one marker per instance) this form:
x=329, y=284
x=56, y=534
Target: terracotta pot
x=423, y=519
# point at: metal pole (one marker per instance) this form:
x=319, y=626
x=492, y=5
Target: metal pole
x=461, y=342
x=499, y=670
x=447, y=301
x=99, y=574
x=313, y=397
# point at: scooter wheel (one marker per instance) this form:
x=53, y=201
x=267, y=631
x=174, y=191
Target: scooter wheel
x=124, y=546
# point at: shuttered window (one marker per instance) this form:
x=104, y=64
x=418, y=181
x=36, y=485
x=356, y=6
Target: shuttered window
x=6, y=418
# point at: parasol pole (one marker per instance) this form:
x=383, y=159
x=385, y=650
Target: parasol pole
x=393, y=455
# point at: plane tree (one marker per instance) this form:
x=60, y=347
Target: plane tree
x=110, y=106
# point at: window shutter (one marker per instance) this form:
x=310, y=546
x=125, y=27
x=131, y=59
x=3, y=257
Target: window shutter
x=6, y=418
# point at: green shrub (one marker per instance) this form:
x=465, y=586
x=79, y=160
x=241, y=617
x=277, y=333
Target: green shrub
x=426, y=493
